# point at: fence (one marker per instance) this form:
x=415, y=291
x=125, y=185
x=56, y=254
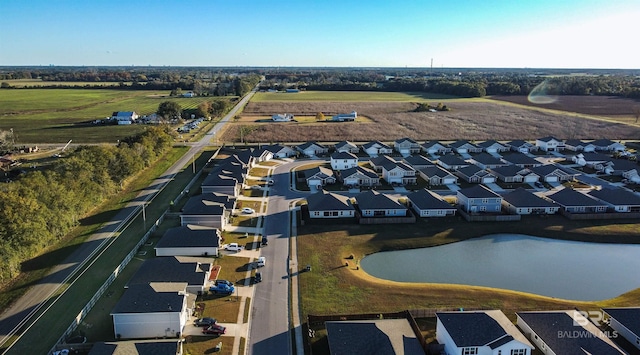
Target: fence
x=489, y=217
x=599, y=216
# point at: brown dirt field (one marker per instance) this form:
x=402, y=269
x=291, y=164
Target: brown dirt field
x=608, y=106
x=472, y=120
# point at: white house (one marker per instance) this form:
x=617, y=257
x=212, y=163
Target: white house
x=523, y=202
x=492, y=146
x=346, y=146
x=325, y=204
x=429, y=204
x=280, y=151
x=399, y=173
x=435, y=147
x=549, y=144
x=343, y=160
x=626, y=321
x=376, y=148
x=343, y=117
x=153, y=310
x=282, y=117
x=406, y=146
x=312, y=149
x=359, y=176
x=189, y=240
x=553, y=333
x=374, y=204
x=319, y=176
x=480, y=333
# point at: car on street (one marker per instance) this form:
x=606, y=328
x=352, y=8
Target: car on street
x=270, y=182
x=262, y=261
x=204, y=322
x=247, y=210
x=264, y=240
x=257, y=277
x=215, y=329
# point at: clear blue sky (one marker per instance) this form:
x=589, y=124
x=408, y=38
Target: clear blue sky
x=384, y=33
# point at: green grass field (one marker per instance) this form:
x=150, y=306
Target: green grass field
x=20, y=83
x=349, y=96
x=57, y=115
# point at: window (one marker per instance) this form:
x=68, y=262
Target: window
x=316, y=213
x=469, y=351
x=485, y=200
x=519, y=352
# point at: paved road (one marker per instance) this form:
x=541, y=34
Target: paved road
x=28, y=306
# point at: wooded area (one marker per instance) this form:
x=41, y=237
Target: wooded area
x=40, y=208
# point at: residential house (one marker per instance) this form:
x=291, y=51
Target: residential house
x=576, y=202
x=608, y=145
x=417, y=161
x=374, y=204
x=513, y=173
x=480, y=333
x=521, y=146
x=144, y=347
x=549, y=144
x=312, y=149
x=319, y=176
x=465, y=147
x=492, y=147
x=346, y=146
x=479, y=199
x=577, y=145
x=427, y=203
x=174, y=269
x=618, y=199
x=376, y=148
x=435, y=148
x=486, y=161
x=553, y=333
x=377, y=336
x=436, y=175
x=287, y=117
x=343, y=160
x=406, y=146
x=596, y=161
x=379, y=161
x=523, y=202
x=124, y=117
x=217, y=182
x=151, y=310
x=280, y=151
x=621, y=167
x=323, y=204
x=189, y=240
x=553, y=173
x=261, y=155
x=451, y=162
x=359, y=176
x=625, y=321
x=344, y=117
x=475, y=174
x=208, y=209
x=521, y=160
x=399, y=173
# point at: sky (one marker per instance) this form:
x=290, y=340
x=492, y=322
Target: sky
x=322, y=33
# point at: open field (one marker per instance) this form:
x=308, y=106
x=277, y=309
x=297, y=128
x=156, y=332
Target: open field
x=347, y=96
x=21, y=83
x=333, y=288
x=472, y=119
x=608, y=106
x=57, y=115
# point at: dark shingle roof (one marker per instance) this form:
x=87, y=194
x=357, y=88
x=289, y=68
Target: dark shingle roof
x=189, y=236
x=371, y=200
x=343, y=155
x=617, y=196
x=460, y=143
x=489, y=143
x=207, y=204
x=547, y=325
x=478, y=191
x=345, y=144
x=430, y=171
x=547, y=169
x=373, y=143
x=425, y=199
x=360, y=170
x=414, y=160
x=169, y=269
x=487, y=159
x=471, y=328
x=520, y=159
x=306, y=145
x=628, y=317
x=382, y=159
x=143, y=298
x=328, y=201
x=570, y=197
x=157, y=347
x=519, y=143
x=374, y=337
x=509, y=170
x=319, y=171
x=452, y=160
x=523, y=198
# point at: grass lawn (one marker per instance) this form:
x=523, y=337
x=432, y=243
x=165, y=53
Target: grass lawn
x=259, y=172
x=355, y=96
x=333, y=288
x=197, y=345
x=256, y=205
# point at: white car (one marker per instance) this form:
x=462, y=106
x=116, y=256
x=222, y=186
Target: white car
x=233, y=247
x=247, y=210
x=262, y=261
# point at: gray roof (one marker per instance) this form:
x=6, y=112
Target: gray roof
x=403, y=140
x=170, y=269
x=452, y=160
x=628, y=317
x=207, y=204
x=509, y=170
x=275, y=148
x=547, y=169
x=570, y=197
x=625, y=165
x=489, y=143
x=430, y=171
x=601, y=143
x=547, y=325
x=319, y=172
x=548, y=139
x=328, y=201
x=617, y=196
x=398, y=164
x=382, y=159
x=359, y=170
x=487, y=159
x=375, y=337
x=345, y=144
x=478, y=191
x=518, y=143
x=373, y=200
x=425, y=199
x=189, y=236
x=472, y=328
x=592, y=156
x=306, y=145
x=414, y=160
x=343, y=155
x=523, y=198
x=471, y=170
x=372, y=143
x=429, y=144
x=144, y=298
x=520, y=159
x=575, y=142
x=154, y=347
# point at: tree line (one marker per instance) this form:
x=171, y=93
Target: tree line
x=41, y=207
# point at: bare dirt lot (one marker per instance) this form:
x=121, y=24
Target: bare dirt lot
x=589, y=105
x=468, y=119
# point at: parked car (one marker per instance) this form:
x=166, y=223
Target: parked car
x=247, y=210
x=204, y=322
x=222, y=289
x=270, y=182
x=264, y=240
x=214, y=329
x=224, y=282
x=262, y=261
x=232, y=247
x=538, y=184
x=257, y=277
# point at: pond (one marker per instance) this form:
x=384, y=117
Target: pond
x=556, y=268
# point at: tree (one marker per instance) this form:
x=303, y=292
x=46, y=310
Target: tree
x=176, y=92
x=169, y=109
x=203, y=109
x=320, y=116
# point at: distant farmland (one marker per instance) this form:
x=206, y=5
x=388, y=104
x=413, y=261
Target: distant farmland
x=471, y=119
x=57, y=115
x=348, y=96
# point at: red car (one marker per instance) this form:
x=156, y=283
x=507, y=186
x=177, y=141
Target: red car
x=215, y=329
